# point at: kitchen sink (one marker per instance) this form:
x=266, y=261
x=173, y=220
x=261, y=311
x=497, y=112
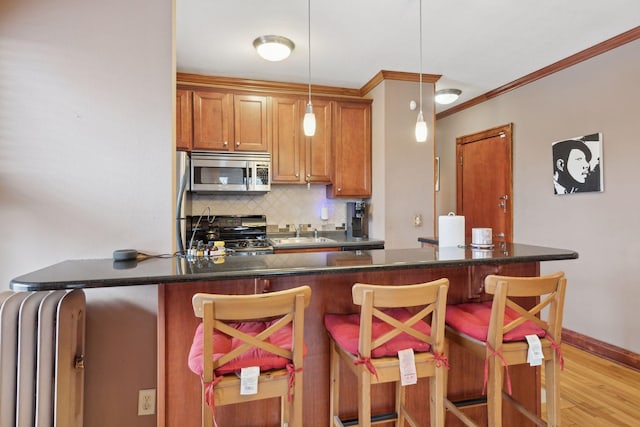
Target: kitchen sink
x=301, y=240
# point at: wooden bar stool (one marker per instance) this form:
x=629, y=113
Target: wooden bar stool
x=240, y=331
x=369, y=342
x=495, y=331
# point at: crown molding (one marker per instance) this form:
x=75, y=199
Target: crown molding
x=570, y=61
x=396, y=75
x=198, y=80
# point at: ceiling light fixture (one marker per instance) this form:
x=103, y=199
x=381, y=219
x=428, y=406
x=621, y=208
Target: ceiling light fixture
x=273, y=48
x=309, y=121
x=447, y=96
x=421, y=125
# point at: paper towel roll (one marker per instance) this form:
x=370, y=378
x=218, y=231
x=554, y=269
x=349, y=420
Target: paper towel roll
x=450, y=230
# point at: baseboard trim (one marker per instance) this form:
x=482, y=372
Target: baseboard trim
x=602, y=349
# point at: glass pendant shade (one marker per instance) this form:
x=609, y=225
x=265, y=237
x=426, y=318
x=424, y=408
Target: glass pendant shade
x=309, y=122
x=421, y=128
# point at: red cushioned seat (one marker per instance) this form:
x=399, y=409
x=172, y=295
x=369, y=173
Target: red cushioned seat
x=473, y=319
x=223, y=344
x=345, y=330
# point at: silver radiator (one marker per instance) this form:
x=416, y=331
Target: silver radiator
x=42, y=338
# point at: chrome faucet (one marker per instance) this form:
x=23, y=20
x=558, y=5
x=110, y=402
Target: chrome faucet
x=315, y=233
x=297, y=230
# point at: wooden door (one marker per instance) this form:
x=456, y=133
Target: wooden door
x=286, y=153
x=184, y=119
x=484, y=181
x=317, y=148
x=212, y=120
x=250, y=123
x=351, y=175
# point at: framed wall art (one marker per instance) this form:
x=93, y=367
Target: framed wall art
x=577, y=165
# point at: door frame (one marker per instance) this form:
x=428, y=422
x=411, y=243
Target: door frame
x=507, y=131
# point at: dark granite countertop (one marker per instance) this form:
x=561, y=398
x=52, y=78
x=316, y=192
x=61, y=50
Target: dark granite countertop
x=95, y=273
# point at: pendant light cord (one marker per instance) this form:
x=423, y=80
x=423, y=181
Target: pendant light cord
x=309, y=35
x=420, y=55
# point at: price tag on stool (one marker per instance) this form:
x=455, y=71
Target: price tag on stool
x=408, y=374
x=249, y=380
x=534, y=355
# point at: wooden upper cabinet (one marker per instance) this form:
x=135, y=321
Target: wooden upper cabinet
x=317, y=148
x=251, y=128
x=296, y=158
x=227, y=122
x=184, y=119
x=212, y=120
x=351, y=159
x=286, y=149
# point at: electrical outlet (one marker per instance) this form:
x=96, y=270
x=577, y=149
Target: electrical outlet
x=147, y=401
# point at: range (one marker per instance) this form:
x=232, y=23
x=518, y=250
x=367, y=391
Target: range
x=242, y=234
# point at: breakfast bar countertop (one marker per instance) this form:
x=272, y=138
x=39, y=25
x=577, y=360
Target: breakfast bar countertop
x=96, y=273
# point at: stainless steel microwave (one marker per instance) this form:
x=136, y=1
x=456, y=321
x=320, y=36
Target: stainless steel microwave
x=230, y=172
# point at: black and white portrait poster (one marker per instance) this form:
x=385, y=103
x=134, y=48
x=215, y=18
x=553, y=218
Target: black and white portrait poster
x=577, y=164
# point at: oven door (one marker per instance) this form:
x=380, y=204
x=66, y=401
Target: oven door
x=213, y=175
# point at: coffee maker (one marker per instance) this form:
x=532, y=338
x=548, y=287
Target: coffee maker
x=357, y=220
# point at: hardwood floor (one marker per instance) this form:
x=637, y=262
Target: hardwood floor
x=597, y=392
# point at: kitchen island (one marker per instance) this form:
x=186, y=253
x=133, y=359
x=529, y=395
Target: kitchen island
x=330, y=276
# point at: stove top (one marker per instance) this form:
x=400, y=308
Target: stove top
x=249, y=246
x=242, y=234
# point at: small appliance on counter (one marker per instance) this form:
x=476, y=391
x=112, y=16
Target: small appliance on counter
x=357, y=220
x=241, y=234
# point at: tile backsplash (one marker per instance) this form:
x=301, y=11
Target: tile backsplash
x=283, y=205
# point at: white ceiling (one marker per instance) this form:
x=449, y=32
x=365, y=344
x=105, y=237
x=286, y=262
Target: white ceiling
x=476, y=46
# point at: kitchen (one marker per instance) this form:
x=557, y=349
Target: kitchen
x=204, y=178
x=76, y=196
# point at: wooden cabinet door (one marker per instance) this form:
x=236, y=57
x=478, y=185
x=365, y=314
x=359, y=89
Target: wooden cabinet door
x=184, y=119
x=298, y=159
x=286, y=150
x=317, y=148
x=212, y=121
x=351, y=175
x=250, y=123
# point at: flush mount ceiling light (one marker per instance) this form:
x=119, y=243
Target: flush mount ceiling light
x=447, y=96
x=273, y=48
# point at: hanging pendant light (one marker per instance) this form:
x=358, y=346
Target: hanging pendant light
x=421, y=125
x=309, y=122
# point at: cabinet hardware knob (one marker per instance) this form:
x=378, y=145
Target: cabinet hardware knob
x=226, y=143
x=237, y=143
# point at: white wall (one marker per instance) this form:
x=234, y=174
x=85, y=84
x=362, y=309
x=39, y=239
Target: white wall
x=598, y=95
x=85, y=168
x=377, y=206
x=402, y=168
